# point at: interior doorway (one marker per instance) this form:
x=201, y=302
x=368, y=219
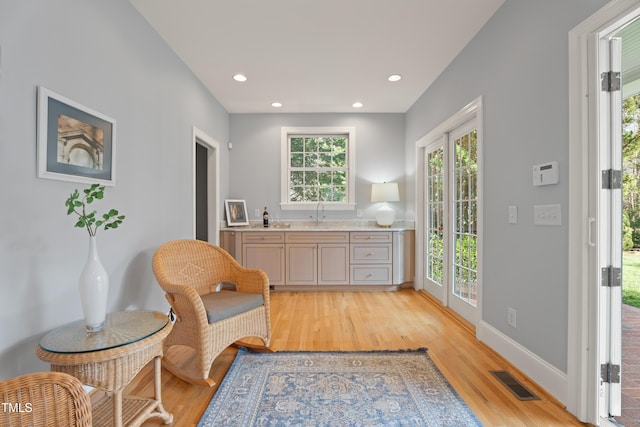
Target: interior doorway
x=206, y=187
x=202, y=190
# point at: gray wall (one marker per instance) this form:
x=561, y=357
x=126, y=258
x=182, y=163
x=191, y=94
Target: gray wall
x=104, y=55
x=255, y=158
x=518, y=63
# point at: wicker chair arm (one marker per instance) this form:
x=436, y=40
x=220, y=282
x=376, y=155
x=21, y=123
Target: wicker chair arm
x=54, y=399
x=186, y=303
x=250, y=280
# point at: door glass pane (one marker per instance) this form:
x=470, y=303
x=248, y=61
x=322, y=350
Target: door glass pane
x=465, y=203
x=435, y=216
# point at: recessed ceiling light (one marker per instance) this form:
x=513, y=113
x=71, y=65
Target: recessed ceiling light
x=276, y=104
x=394, y=77
x=240, y=77
x=357, y=105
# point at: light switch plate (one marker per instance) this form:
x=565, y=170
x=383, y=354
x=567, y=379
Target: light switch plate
x=513, y=214
x=547, y=215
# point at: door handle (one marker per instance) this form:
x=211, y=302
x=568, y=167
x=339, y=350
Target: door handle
x=590, y=222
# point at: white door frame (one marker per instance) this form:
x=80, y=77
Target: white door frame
x=470, y=111
x=609, y=224
x=583, y=314
x=213, y=180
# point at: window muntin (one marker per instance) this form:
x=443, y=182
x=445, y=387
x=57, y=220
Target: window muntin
x=318, y=166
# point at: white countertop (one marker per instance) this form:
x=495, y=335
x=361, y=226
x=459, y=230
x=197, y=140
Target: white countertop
x=322, y=226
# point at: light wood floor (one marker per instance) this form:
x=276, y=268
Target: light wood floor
x=406, y=319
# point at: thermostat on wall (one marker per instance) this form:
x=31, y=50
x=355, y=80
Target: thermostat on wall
x=545, y=174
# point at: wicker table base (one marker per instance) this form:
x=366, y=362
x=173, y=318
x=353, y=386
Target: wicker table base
x=133, y=411
x=111, y=370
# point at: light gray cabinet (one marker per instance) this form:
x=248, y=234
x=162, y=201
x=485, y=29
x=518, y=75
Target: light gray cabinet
x=333, y=259
x=265, y=250
x=403, y=256
x=309, y=262
x=372, y=258
x=231, y=242
x=333, y=264
x=301, y=264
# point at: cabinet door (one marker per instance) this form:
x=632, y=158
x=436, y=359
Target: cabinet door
x=302, y=264
x=269, y=258
x=403, y=257
x=333, y=264
x=230, y=242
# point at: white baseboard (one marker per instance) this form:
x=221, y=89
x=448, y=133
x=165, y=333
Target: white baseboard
x=544, y=374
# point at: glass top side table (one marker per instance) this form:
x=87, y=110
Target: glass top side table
x=121, y=328
x=110, y=359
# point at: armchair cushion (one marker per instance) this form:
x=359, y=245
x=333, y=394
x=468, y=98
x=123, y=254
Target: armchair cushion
x=224, y=304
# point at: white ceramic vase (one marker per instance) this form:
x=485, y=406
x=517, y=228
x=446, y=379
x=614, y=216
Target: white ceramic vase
x=94, y=288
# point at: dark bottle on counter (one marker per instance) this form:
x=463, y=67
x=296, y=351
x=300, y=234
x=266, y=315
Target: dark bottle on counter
x=265, y=217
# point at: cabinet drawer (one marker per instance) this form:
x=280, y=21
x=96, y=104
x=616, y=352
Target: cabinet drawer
x=371, y=237
x=317, y=237
x=371, y=274
x=371, y=254
x=263, y=237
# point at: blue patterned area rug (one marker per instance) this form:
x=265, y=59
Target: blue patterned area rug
x=337, y=389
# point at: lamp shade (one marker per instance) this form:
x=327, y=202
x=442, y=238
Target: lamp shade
x=385, y=192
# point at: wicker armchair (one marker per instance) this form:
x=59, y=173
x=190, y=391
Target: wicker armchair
x=44, y=399
x=189, y=271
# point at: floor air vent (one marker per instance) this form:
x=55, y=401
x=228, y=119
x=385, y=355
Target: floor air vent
x=514, y=386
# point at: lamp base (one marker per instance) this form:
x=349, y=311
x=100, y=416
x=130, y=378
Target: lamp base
x=385, y=216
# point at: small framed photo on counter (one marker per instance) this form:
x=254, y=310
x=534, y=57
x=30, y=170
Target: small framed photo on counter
x=236, y=212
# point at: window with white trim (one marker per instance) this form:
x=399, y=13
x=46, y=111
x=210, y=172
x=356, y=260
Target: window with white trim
x=318, y=167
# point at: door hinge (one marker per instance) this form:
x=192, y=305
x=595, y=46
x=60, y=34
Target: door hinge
x=611, y=179
x=610, y=81
x=611, y=277
x=610, y=373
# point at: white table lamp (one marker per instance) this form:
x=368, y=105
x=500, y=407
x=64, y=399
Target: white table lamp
x=385, y=192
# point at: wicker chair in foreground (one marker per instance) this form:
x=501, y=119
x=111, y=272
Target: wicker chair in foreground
x=44, y=399
x=207, y=320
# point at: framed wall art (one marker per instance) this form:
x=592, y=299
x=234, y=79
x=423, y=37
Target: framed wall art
x=75, y=143
x=236, y=212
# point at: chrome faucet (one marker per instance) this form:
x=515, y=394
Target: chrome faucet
x=318, y=212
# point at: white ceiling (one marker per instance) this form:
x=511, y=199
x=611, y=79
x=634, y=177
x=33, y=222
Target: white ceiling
x=317, y=56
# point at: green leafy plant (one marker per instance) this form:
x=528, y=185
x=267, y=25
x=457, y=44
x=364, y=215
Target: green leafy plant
x=91, y=221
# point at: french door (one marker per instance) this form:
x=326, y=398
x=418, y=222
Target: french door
x=451, y=207
x=435, y=220
x=463, y=144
